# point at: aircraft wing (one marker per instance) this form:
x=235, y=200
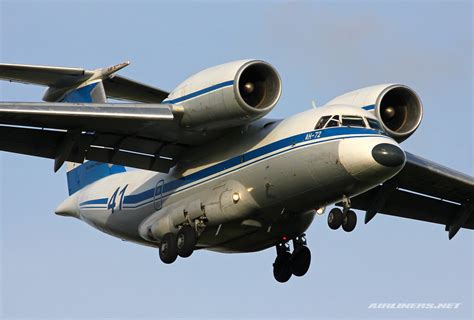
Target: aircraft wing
x=426, y=191
x=116, y=87
x=145, y=136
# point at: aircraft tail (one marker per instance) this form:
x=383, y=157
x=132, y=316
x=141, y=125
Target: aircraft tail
x=80, y=175
x=79, y=85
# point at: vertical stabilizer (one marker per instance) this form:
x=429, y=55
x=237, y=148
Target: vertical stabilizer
x=80, y=175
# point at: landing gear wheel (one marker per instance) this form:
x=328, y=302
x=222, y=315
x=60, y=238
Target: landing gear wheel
x=282, y=267
x=335, y=218
x=300, y=261
x=186, y=241
x=168, y=248
x=349, y=222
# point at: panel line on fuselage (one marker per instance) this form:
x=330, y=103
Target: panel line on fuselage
x=230, y=165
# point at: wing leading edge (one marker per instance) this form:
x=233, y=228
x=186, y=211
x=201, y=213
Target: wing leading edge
x=425, y=191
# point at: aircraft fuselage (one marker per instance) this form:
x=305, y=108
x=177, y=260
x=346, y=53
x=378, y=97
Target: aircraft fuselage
x=282, y=171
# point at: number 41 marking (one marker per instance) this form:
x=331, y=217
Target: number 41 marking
x=112, y=204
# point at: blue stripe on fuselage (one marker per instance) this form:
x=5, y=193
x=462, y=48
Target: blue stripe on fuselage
x=136, y=199
x=95, y=201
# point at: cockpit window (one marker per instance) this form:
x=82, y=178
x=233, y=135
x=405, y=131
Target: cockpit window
x=374, y=124
x=347, y=121
x=334, y=122
x=353, y=121
x=322, y=122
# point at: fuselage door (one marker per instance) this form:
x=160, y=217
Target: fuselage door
x=158, y=196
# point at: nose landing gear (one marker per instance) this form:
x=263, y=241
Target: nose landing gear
x=287, y=264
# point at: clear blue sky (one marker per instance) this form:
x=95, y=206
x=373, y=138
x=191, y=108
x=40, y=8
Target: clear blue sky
x=56, y=268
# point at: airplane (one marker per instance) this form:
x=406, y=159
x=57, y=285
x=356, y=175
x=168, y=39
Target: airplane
x=207, y=170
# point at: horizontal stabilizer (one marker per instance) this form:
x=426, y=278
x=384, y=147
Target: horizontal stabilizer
x=60, y=80
x=56, y=77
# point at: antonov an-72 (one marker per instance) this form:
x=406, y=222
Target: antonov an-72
x=212, y=173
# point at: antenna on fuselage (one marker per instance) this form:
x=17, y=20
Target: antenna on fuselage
x=313, y=103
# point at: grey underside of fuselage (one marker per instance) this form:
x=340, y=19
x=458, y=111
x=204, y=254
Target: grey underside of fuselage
x=286, y=194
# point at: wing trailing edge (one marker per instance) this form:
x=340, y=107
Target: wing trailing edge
x=425, y=191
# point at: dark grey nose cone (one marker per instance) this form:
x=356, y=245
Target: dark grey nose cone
x=388, y=155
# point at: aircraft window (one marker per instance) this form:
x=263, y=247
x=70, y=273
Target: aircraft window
x=334, y=122
x=374, y=124
x=322, y=122
x=353, y=121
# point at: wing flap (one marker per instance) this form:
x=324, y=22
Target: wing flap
x=90, y=146
x=130, y=159
x=36, y=142
x=427, y=177
x=413, y=206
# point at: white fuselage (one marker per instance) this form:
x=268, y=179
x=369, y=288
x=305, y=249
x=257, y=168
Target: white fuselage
x=283, y=171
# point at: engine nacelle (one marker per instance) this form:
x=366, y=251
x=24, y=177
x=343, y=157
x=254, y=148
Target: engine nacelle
x=230, y=94
x=398, y=107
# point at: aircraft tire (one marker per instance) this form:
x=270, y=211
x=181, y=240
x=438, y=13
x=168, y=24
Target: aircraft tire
x=168, y=248
x=300, y=261
x=186, y=241
x=349, y=222
x=335, y=218
x=282, y=267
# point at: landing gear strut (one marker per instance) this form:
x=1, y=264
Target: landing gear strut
x=346, y=218
x=287, y=264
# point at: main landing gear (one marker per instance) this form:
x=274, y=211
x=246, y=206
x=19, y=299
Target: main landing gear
x=336, y=219
x=287, y=264
x=346, y=218
x=181, y=244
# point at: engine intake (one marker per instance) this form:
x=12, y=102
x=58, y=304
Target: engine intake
x=259, y=85
x=400, y=110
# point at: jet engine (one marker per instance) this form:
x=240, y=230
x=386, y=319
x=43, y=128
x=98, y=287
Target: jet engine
x=398, y=107
x=399, y=110
x=231, y=94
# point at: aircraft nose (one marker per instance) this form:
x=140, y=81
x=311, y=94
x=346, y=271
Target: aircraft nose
x=388, y=155
x=371, y=159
